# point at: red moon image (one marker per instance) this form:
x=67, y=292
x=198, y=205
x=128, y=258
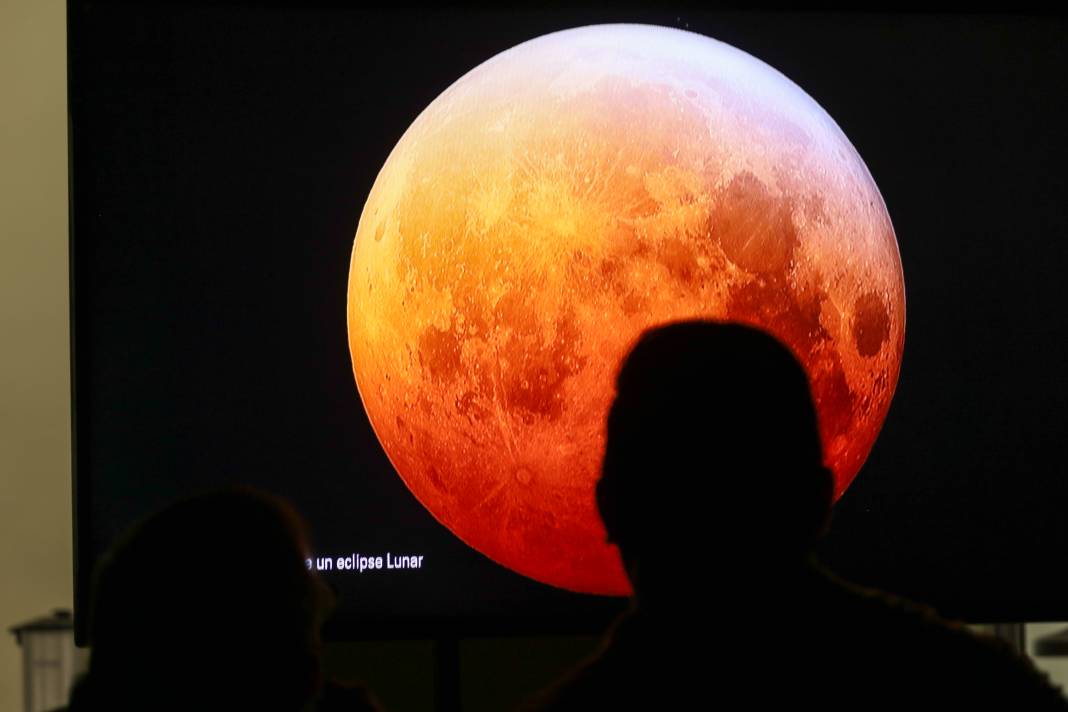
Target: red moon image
x=555, y=202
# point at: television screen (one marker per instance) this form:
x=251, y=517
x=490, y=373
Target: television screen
x=386, y=264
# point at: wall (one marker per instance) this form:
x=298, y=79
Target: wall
x=1056, y=668
x=35, y=501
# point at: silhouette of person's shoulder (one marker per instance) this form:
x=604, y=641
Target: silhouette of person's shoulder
x=604, y=680
x=346, y=697
x=882, y=639
x=831, y=641
x=334, y=697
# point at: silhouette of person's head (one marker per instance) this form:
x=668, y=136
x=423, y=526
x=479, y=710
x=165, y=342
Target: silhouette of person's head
x=209, y=604
x=713, y=464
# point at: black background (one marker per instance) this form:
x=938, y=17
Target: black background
x=220, y=159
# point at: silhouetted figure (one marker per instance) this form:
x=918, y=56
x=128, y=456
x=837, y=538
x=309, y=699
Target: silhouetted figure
x=714, y=490
x=209, y=605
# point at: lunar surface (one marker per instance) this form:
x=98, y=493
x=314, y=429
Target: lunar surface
x=551, y=205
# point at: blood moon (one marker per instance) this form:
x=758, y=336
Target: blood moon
x=551, y=205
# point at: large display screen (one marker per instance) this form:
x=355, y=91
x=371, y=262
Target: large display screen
x=387, y=264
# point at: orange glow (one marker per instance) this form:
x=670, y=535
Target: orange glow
x=554, y=203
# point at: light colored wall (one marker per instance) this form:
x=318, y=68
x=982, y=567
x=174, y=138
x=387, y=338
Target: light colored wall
x=1056, y=668
x=35, y=500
